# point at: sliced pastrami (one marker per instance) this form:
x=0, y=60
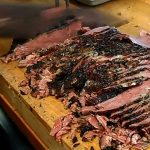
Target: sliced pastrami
x=125, y=98
x=141, y=124
x=133, y=107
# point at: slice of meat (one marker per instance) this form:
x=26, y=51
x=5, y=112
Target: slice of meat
x=87, y=109
x=93, y=121
x=133, y=117
x=125, y=98
x=88, y=136
x=120, y=102
x=61, y=126
x=120, y=138
x=46, y=40
x=105, y=141
x=63, y=131
x=67, y=120
x=103, y=121
x=131, y=107
x=57, y=126
x=143, y=123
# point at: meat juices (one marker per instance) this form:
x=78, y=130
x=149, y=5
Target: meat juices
x=101, y=76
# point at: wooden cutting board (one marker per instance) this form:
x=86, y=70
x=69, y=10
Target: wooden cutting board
x=36, y=117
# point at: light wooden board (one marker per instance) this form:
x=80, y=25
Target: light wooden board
x=39, y=115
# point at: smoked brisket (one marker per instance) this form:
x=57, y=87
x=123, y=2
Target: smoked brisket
x=102, y=76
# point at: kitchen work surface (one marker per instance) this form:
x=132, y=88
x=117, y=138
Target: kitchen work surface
x=35, y=117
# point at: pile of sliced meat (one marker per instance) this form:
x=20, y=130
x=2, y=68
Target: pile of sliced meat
x=100, y=75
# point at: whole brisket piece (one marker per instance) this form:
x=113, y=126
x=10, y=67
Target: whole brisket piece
x=101, y=75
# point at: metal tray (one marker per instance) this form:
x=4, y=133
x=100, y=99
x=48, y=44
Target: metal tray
x=92, y=2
